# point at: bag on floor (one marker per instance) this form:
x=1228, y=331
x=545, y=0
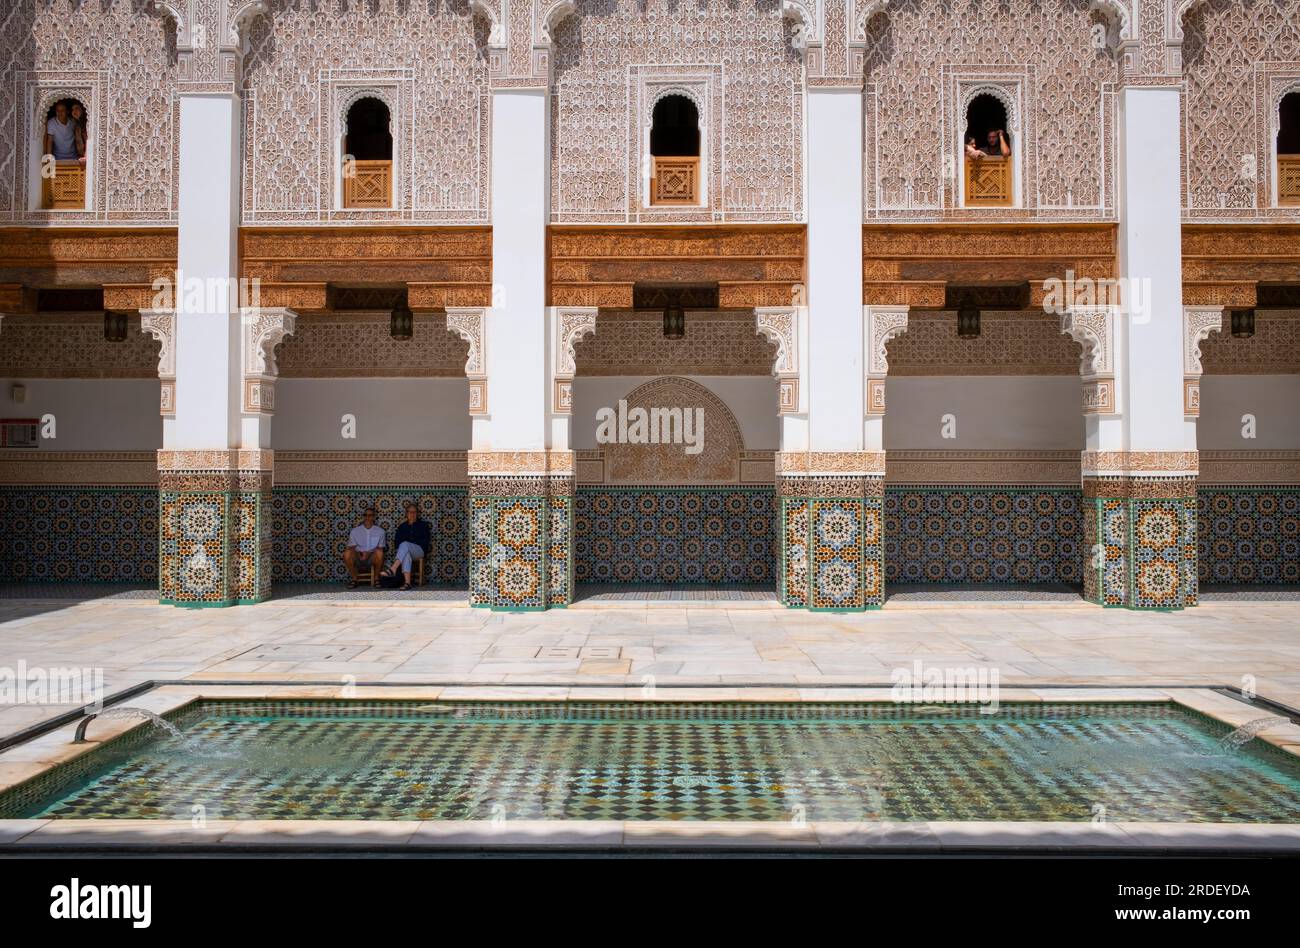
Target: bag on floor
x=390, y=582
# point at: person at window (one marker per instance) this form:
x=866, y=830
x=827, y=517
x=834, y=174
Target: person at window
x=997, y=146
x=366, y=544
x=78, y=113
x=61, y=134
x=972, y=150
x=414, y=539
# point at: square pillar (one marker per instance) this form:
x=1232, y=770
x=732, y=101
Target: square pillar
x=214, y=517
x=1141, y=532
x=832, y=530
x=521, y=530
x=1140, y=468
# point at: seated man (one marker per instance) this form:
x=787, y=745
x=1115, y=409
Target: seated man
x=365, y=545
x=414, y=540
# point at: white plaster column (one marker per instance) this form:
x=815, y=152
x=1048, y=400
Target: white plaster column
x=1150, y=366
x=517, y=326
x=208, y=368
x=835, y=373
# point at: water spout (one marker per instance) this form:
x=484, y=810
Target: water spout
x=1248, y=731
x=124, y=712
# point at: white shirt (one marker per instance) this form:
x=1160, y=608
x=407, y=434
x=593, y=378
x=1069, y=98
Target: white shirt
x=364, y=539
x=64, y=138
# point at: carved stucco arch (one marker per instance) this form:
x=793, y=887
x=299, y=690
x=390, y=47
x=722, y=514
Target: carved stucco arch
x=1094, y=330
x=1117, y=13
x=1275, y=112
x=496, y=29
x=866, y=11
x=171, y=11
x=242, y=15
x=718, y=463
x=355, y=94
x=52, y=94
x=1000, y=92
x=807, y=28
x=1181, y=11
x=470, y=324
x=681, y=89
x=551, y=17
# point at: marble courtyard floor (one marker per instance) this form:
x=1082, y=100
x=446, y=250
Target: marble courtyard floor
x=736, y=649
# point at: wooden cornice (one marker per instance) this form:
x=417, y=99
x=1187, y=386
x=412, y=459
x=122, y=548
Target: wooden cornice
x=912, y=264
x=128, y=259
x=1223, y=263
x=753, y=265
x=441, y=266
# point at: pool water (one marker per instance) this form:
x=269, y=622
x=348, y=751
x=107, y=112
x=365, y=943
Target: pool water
x=668, y=761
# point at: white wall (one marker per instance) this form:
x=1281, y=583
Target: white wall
x=391, y=414
x=1274, y=400
x=91, y=414
x=752, y=399
x=994, y=413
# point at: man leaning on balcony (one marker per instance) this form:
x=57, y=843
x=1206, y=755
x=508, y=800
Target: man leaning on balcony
x=996, y=146
x=61, y=135
x=366, y=544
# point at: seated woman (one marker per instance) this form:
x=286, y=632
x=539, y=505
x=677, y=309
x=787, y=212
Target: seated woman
x=414, y=540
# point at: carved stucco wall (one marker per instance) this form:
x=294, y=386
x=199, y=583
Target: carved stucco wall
x=123, y=61
x=1239, y=57
x=426, y=60
x=924, y=58
x=612, y=55
x=633, y=343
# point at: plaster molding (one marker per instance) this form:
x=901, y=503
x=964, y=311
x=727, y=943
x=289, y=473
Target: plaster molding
x=1094, y=329
x=882, y=324
x=1198, y=323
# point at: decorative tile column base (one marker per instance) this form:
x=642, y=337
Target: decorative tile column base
x=521, y=535
x=214, y=514
x=832, y=532
x=1140, y=537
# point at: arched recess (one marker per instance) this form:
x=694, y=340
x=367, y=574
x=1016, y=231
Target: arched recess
x=657, y=463
x=970, y=94
x=1284, y=145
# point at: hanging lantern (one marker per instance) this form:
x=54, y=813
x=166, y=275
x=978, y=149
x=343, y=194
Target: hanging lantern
x=402, y=321
x=114, y=326
x=674, y=320
x=968, y=320
x=1243, y=323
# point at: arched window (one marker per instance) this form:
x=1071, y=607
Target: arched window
x=675, y=151
x=1288, y=150
x=368, y=155
x=63, y=155
x=987, y=155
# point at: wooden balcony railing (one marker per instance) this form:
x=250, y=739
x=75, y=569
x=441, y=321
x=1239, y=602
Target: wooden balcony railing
x=1288, y=180
x=988, y=182
x=66, y=191
x=369, y=185
x=676, y=181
